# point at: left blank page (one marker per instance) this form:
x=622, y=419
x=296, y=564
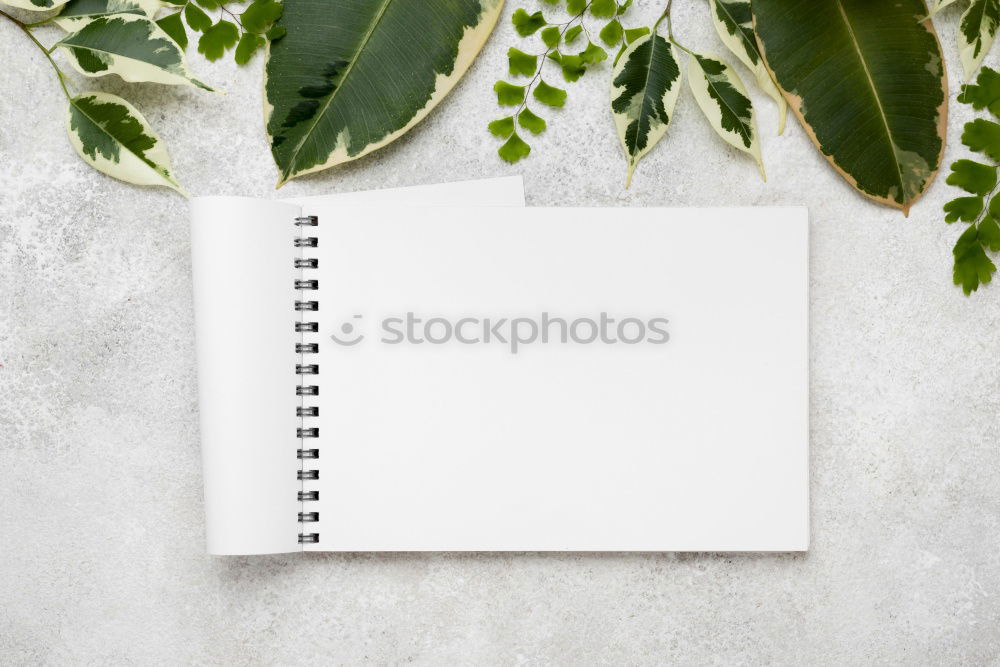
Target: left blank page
x=242, y=259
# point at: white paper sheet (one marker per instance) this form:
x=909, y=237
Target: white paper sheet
x=242, y=261
x=700, y=443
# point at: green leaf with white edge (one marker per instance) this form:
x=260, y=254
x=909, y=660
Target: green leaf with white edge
x=645, y=84
x=35, y=5
x=984, y=93
x=733, y=22
x=353, y=75
x=133, y=47
x=972, y=266
x=976, y=30
x=937, y=5
x=866, y=81
x=972, y=176
x=78, y=13
x=723, y=99
x=113, y=137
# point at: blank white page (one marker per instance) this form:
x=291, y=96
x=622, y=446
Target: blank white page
x=698, y=443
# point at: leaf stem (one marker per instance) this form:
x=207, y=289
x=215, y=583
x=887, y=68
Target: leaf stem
x=545, y=58
x=26, y=29
x=670, y=29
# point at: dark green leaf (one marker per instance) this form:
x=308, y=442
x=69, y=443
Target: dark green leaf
x=972, y=267
x=527, y=24
x=275, y=33
x=575, y=7
x=842, y=66
x=549, y=95
x=612, y=33
x=508, y=95
x=514, y=149
x=174, y=26
x=197, y=19
x=965, y=209
x=503, y=127
x=351, y=76
x=521, y=63
x=531, y=122
x=972, y=176
x=215, y=41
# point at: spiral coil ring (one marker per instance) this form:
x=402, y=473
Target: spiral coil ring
x=302, y=412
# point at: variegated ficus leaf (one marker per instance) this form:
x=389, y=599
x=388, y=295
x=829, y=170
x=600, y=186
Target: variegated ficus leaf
x=114, y=138
x=350, y=76
x=78, y=13
x=35, y=5
x=734, y=22
x=644, y=88
x=937, y=5
x=867, y=82
x=976, y=30
x=131, y=46
x=723, y=99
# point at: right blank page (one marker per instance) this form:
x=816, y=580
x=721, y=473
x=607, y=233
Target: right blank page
x=437, y=433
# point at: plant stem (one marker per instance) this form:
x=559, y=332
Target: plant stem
x=670, y=29
x=26, y=29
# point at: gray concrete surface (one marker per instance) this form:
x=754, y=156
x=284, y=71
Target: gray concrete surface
x=101, y=530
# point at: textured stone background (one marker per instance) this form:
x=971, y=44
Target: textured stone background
x=101, y=529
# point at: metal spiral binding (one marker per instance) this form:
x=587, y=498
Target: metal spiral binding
x=302, y=412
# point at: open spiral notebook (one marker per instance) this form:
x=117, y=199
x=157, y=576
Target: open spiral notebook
x=440, y=368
